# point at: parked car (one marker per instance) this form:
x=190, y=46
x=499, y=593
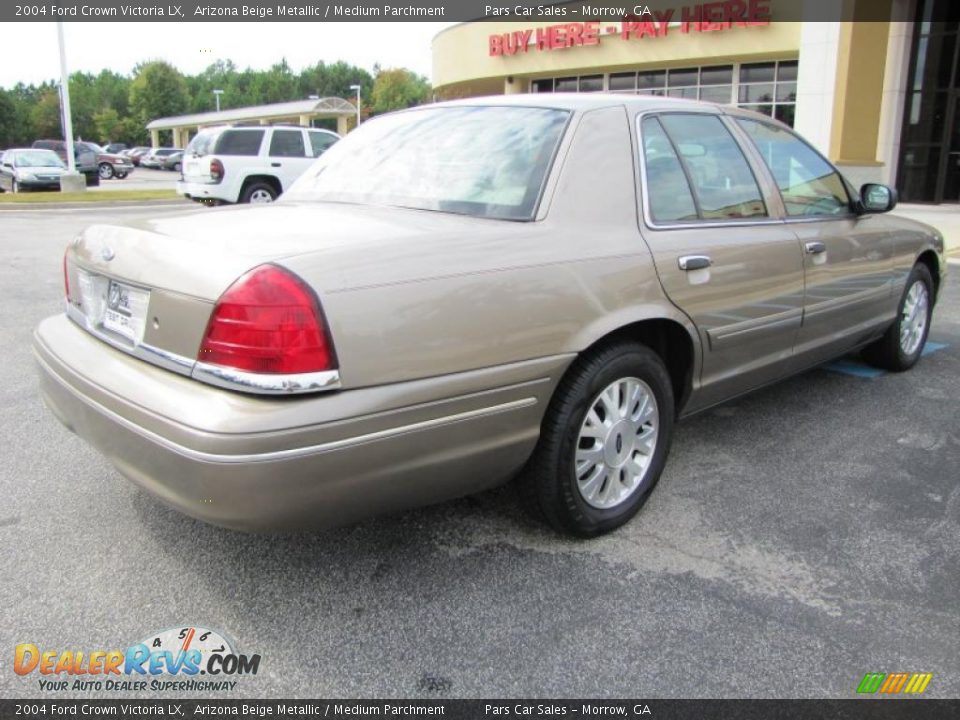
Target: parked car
x=109, y=165
x=85, y=159
x=28, y=169
x=463, y=293
x=115, y=148
x=173, y=162
x=155, y=158
x=249, y=164
x=135, y=154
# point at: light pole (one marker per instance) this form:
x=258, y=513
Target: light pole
x=357, y=88
x=75, y=181
x=217, y=94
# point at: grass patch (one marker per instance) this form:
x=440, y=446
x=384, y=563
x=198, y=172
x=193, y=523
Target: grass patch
x=48, y=197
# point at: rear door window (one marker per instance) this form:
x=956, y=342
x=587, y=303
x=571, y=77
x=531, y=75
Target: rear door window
x=240, y=142
x=287, y=143
x=723, y=183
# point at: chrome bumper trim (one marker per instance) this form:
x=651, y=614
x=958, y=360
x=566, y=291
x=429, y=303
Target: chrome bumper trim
x=218, y=458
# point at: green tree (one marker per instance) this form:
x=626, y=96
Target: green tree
x=8, y=127
x=108, y=124
x=45, y=114
x=397, y=89
x=158, y=90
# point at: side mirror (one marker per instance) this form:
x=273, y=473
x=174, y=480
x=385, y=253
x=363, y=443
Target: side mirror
x=876, y=198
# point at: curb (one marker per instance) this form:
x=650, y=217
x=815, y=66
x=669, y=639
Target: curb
x=16, y=206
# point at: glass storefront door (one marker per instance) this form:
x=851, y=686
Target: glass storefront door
x=930, y=143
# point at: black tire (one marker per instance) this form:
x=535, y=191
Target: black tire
x=121, y=176
x=105, y=171
x=255, y=189
x=549, y=484
x=888, y=352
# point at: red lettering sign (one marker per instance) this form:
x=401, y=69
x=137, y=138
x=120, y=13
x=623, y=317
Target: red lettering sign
x=703, y=17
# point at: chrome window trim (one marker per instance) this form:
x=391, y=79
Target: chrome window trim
x=219, y=376
x=688, y=224
x=651, y=224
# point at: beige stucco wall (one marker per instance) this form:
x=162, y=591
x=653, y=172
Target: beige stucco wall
x=462, y=64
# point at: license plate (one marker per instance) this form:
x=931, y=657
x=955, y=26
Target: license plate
x=114, y=306
x=126, y=311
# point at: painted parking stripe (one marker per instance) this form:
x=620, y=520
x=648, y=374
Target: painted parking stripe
x=851, y=366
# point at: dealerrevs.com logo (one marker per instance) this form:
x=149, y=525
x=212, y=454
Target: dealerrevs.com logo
x=171, y=660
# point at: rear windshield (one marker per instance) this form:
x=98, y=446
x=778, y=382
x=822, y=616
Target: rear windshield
x=200, y=144
x=482, y=161
x=239, y=142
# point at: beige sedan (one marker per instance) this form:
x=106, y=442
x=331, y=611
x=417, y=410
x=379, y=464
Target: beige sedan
x=533, y=287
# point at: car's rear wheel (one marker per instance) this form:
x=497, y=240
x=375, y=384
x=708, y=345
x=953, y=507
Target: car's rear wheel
x=902, y=344
x=603, y=442
x=106, y=171
x=258, y=192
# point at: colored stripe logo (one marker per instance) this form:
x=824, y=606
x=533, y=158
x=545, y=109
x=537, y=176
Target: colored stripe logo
x=894, y=683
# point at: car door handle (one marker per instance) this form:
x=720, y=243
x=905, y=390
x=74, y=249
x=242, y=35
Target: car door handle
x=815, y=248
x=274, y=164
x=694, y=262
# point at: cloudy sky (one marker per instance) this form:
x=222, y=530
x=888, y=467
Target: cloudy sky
x=191, y=47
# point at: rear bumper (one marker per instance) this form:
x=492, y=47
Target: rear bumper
x=206, y=191
x=293, y=463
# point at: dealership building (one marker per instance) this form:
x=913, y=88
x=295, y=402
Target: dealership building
x=881, y=99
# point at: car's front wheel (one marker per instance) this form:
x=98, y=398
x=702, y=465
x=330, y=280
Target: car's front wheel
x=106, y=171
x=902, y=344
x=603, y=442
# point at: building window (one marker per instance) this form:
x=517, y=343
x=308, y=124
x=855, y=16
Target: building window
x=769, y=88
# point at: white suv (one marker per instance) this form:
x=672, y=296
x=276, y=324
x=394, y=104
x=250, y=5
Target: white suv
x=248, y=164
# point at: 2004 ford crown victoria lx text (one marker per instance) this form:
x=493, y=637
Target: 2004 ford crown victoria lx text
x=459, y=294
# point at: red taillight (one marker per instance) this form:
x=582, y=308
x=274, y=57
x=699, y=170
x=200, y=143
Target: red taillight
x=66, y=277
x=216, y=170
x=268, y=321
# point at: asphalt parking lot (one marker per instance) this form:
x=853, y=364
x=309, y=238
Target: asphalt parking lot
x=800, y=537
x=141, y=179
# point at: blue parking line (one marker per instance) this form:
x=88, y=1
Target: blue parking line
x=851, y=366
x=855, y=368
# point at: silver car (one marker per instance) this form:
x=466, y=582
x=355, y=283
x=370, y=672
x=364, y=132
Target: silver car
x=530, y=287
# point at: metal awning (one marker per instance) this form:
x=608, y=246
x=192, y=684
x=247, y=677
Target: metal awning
x=329, y=107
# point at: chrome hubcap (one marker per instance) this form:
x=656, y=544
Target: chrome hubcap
x=616, y=443
x=913, y=323
x=261, y=196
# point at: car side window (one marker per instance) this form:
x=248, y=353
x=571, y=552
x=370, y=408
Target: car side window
x=668, y=193
x=240, y=142
x=287, y=143
x=723, y=184
x=321, y=142
x=808, y=184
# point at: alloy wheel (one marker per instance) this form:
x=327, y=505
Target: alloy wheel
x=616, y=443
